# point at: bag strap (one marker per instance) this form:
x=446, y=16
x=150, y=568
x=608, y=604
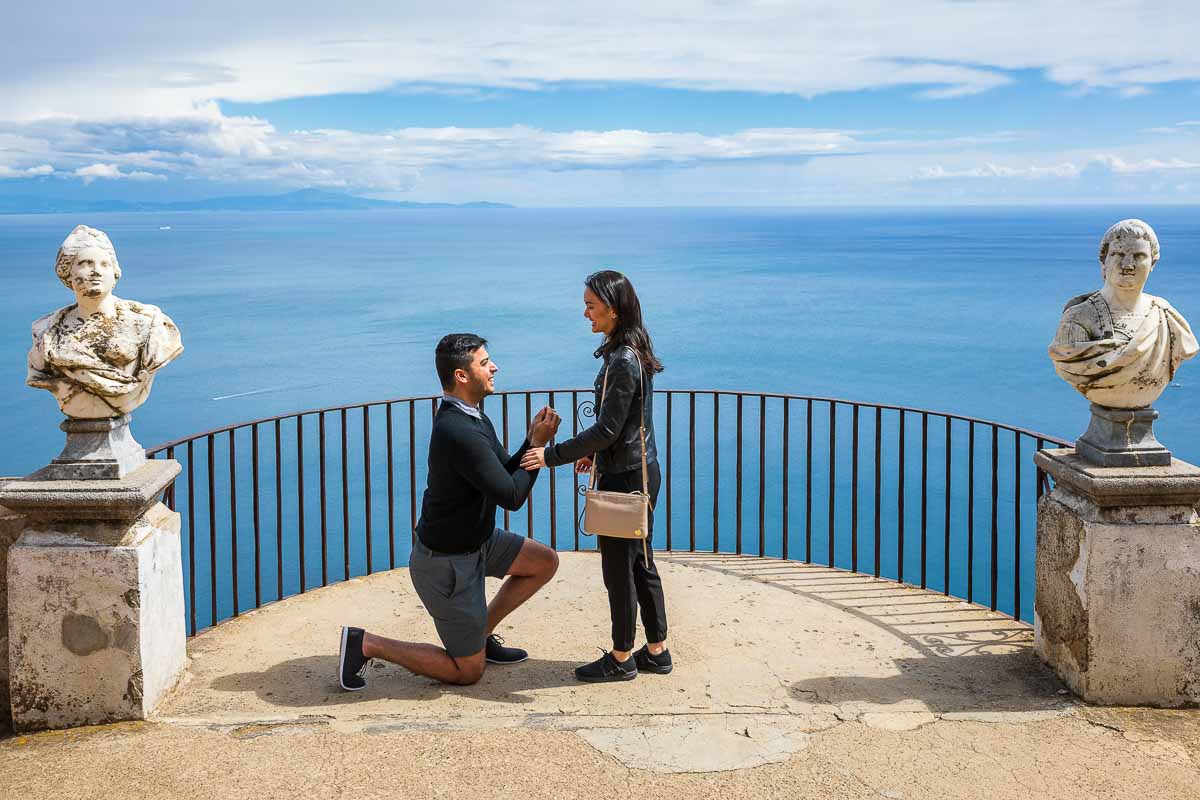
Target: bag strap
x=594, y=478
x=641, y=427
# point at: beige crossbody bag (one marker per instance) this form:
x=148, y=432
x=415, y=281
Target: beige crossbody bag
x=622, y=515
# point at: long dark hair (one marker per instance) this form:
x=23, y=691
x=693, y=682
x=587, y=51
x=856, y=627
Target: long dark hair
x=616, y=292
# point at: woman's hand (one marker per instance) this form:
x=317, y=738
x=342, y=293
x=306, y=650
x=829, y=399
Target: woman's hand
x=534, y=459
x=583, y=465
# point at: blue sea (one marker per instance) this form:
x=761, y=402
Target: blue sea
x=944, y=309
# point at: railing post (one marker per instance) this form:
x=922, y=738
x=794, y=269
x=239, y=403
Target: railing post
x=832, y=498
x=716, y=494
x=300, y=543
x=738, y=499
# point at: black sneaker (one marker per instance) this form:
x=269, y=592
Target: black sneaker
x=351, y=663
x=648, y=662
x=606, y=668
x=497, y=653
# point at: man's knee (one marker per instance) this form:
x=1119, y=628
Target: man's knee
x=535, y=560
x=549, y=563
x=470, y=670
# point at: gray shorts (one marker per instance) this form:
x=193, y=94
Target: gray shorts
x=451, y=587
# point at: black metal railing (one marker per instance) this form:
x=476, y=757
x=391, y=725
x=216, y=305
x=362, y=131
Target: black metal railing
x=282, y=505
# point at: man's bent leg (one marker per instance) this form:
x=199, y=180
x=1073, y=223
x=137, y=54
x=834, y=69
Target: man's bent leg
x=532, y=569
x=426, y=659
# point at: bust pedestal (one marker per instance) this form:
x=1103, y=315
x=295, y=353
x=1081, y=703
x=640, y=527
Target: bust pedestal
x=96, y=449
x=1121, y=437
x=1117, y=614
x=95, y=598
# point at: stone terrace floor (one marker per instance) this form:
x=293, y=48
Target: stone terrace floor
x=791, y=681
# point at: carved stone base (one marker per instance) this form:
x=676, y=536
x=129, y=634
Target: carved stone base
x=1122, y=437
x=96, y=449
x=96, y=633
x=1118, y=581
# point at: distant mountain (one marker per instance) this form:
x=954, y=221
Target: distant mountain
x=300, y=200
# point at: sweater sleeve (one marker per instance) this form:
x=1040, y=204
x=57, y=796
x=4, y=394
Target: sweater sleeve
x=480, y=466
x=623, y=390
x=513, y=463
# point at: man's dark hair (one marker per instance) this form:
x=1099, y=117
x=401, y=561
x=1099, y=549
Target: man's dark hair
x=454, y=351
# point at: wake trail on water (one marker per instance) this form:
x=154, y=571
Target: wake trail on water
x=267, y=390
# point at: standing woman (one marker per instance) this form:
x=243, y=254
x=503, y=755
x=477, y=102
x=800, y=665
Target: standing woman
x=614, y=446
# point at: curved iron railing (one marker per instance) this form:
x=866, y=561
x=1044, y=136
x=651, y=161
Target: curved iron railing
x=281, y=505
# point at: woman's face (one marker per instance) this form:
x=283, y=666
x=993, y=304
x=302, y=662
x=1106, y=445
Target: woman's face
x=602, y=317
x=94, y=273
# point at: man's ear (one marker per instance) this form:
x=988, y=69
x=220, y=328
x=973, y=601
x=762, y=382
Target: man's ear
x=460, y=376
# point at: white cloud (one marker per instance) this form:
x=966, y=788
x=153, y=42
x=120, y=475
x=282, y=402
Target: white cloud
x=166, y=60
x=113, y=172
x=1102, y=162
x=215, y=147
x=27, y=172
x=1122, y=166
x=208, y=145
x=938, y=172
x=1134, y=91
x=1187, y=127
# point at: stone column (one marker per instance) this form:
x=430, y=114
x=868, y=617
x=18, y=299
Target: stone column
x=95, y=597
x=1117, y=614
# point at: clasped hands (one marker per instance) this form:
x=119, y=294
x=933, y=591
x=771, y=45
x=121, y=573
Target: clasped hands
x=545, y=425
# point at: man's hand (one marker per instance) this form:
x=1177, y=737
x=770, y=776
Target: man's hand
x=545, y=425
x=583, y=465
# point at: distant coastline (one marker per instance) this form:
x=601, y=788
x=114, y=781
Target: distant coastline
x=301, y=200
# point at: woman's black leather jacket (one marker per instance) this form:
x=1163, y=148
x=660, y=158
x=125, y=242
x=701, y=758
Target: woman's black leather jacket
x=615, y=439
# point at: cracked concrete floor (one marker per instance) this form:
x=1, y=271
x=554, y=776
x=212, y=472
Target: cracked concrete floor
x=791, y=680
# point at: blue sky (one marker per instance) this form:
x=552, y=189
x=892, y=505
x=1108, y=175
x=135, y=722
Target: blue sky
x=669, y=103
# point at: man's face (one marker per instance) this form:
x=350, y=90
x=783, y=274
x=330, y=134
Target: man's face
x=94, y=273
x=480, y=375
x=1128, y=263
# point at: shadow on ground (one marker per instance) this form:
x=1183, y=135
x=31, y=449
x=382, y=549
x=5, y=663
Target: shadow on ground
x=969, y=659
x=945, y=684
x=312, y=680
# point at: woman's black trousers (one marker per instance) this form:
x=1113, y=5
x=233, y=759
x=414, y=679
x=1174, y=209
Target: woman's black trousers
x=629, y=573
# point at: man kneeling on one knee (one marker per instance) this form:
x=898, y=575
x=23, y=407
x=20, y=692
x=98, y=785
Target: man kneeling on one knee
x=458, y=542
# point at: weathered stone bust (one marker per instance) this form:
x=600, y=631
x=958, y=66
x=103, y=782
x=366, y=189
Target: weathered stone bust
x=1120, y=347
x=98, y=356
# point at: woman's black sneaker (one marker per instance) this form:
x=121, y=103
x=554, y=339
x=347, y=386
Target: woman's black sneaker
x=497, y=653
x=351, y=662
x=606, y=668
x=648, y=662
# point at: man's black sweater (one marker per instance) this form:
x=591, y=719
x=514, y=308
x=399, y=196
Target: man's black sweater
x=469, y=475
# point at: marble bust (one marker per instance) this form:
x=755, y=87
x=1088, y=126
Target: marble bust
x=98, y=355
x=1120, y=347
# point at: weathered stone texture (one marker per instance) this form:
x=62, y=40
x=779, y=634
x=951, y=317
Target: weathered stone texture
x=10, y=528
x=85, y=648
x=1118, y=589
